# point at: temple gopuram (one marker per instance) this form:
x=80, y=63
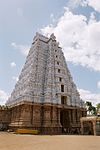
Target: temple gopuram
x=45, y=98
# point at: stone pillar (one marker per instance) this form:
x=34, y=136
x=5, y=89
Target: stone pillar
x=71, y=112
x=47, y=116
x=82, y=127
x=37, y=116
x=78, y=115
x=94, y=127
x=59, y=118
x=74, y=116
x=25, y=115
x=55, y=117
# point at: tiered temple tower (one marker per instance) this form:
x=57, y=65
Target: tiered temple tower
x=45, y=96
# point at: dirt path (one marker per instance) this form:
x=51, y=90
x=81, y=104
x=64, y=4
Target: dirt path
x=62, y=142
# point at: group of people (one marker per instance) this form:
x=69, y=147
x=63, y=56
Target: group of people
x=71, y=130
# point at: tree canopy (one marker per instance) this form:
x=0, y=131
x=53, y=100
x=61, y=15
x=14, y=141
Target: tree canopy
x=92, y=110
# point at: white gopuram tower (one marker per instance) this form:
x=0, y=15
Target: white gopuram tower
x=45, y=96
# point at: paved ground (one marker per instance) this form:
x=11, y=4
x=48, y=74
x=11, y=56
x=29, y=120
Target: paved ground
x=10, y=141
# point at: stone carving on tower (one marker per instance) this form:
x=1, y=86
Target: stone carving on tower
x=44, y=74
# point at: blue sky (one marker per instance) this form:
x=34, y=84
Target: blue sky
x=76, y=24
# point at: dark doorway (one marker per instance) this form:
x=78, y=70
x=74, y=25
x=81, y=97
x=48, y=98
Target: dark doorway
x=62, y=88
x=64, y=100
x=64, y=120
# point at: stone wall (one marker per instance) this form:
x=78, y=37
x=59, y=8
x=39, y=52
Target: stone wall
x=5, y=118
x=45, y=118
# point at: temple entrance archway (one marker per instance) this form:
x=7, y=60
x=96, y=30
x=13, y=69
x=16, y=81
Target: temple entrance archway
x=88, y=128
x=65, y=120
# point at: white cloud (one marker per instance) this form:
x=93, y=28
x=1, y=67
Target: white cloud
x=95, y=4
x=98, y=84
x=15, y=78
x=3, y=97
x=13, y=64
x=92, y=18
x=89, y=96
x=24, y=49
x=79, y=38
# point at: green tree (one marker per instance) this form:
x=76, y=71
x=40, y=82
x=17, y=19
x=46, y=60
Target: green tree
x=98, y=108
x=89, y=106
x=94, y=111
